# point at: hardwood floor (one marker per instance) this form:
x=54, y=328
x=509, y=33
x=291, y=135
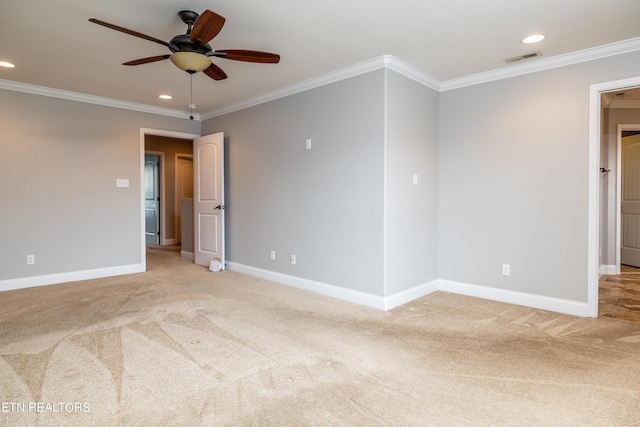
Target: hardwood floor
x=619, y=296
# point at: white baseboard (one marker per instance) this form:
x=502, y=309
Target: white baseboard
x=357, y=297
x=73, y=276
x=362, y=298
x=519, y=298
x=607, y=270
x=400, y=298
x=187, y=255
x=387, y=303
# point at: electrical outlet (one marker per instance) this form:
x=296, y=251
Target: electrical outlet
x=293, y=259
x=506, y=270
x=31, y=259
x=273, y=255
x=415, y=179
x=308, y=143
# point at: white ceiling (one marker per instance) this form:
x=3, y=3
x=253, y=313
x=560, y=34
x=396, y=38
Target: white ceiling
x=53, y=45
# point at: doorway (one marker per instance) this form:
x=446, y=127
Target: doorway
x=599, y=236
x=167, y=211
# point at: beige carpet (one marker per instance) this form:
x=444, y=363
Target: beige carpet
x=180, y=345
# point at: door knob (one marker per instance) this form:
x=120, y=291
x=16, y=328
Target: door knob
x=219, y=207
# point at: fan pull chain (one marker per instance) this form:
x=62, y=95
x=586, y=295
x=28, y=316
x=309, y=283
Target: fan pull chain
x=191, y=98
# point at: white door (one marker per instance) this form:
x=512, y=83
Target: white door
x=208, y=199
x=184, y=187
x=630, y=201
x=152, y=199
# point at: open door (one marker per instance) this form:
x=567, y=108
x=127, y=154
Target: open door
x=630, y=201
x=208, y=203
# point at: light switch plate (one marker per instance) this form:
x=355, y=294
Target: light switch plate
x=122, y=183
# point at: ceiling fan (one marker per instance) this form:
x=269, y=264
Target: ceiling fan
x=191, y=51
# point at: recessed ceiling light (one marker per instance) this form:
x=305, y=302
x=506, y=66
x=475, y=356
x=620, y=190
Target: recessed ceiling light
x=165, y=97
x=533, y=38
x=6, y=64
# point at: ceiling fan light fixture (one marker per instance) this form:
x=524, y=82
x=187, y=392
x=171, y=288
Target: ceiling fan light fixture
x=190, y=61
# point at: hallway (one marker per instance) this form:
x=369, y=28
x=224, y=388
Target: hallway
x=619, y=295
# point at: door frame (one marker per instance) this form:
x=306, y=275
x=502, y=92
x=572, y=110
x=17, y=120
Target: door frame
x=156, y=132
x=621, y=127
x=593, y=205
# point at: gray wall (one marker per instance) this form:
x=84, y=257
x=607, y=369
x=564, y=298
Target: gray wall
x=511, y=185
x=58, y=199
x=411, y=210
x=514, y=179
x=325, y=205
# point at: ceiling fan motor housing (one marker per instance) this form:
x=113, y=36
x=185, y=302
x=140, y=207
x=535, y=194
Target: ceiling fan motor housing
x=183, y=43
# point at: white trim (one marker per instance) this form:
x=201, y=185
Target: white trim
x=595, y=95
x=391, y=62
x=385, y=187
x=384, y=61
x=187, y=255
x=91, y=99
x=73, y=276
x=612, y=49
x=558, y=305
x=411, y=72
x=607, y=270
x=156, y=132
x=593, y=202
x=406, y=296
x=618, y=212
x=357, y=297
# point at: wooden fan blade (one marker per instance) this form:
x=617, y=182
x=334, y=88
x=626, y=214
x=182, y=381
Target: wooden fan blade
x=248, y=56
x=147, y=60
x=130, y=32
x=207, y=26
x=215, y=72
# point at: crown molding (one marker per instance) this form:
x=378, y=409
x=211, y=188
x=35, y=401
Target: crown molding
x=91, y=99
x=412, y=72
x=585, y=55
x=385, y=61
